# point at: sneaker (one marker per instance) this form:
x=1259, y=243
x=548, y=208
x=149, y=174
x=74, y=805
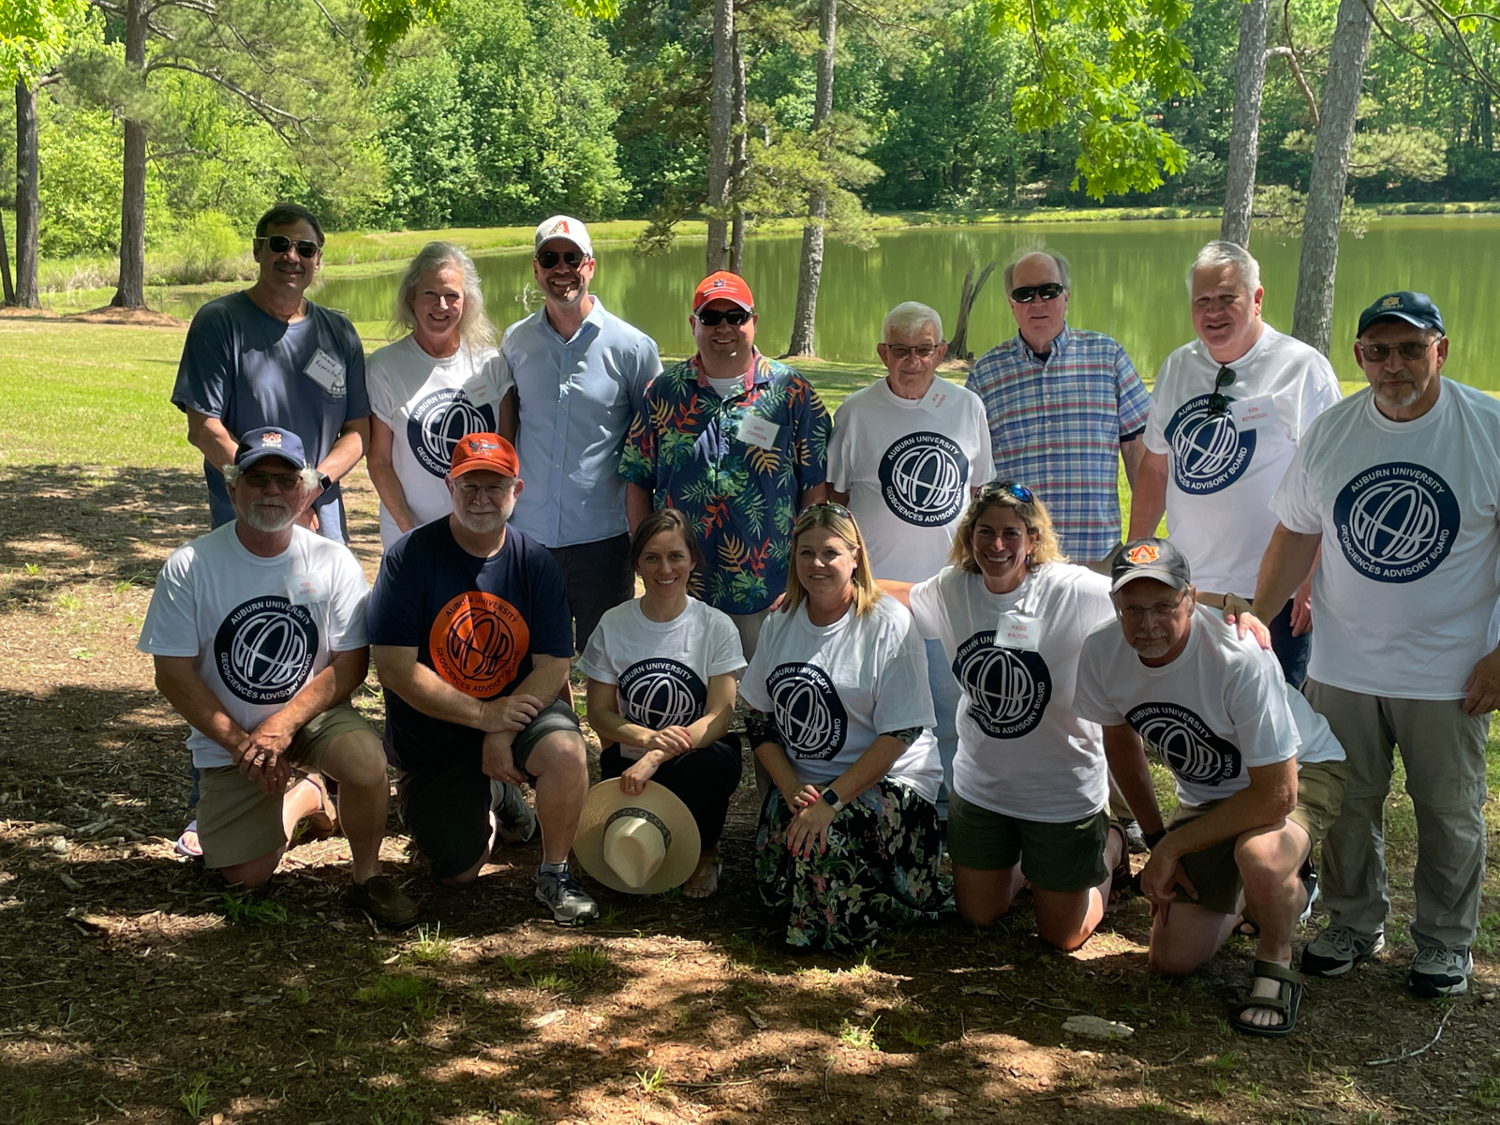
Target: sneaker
x=569, y=903
x=380, y=898
x=514, y=817
x=1309, y=877
x=1437, y=971
x=1338, y=949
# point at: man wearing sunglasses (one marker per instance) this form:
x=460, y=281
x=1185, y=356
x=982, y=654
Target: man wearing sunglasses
x=1227, y=413
x=1400, y=489
x=268, y=356
x=580, y=376
x=1065, y=407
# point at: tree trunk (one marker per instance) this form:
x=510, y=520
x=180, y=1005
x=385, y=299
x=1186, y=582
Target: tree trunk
x=741, y=163
x=958, y=347
x=1244, y=137
x=810, y=272
x=10, y=290
x=131, y=293
x=1312, y=318
x=720, y=127
x=28, y=292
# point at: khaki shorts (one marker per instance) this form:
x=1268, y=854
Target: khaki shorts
x=1320, y=795
x=1055, y=857
x=237, y=822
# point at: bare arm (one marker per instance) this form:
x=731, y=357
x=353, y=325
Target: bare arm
x=191, y=698
x=837, y=497
x=347, y=449
x=399, y=670
x=383, y=474
x=510, y=416
x=814, y=495
x=901, y=591
x=1127, y=763
x=208, y=435
x=1148, y=495
x=1132, y=453
x=637, y=505
x=1287, y=563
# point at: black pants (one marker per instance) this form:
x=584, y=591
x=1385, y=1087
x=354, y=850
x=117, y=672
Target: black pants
x=597, y=577
x=1291, y=651
x=705, y=779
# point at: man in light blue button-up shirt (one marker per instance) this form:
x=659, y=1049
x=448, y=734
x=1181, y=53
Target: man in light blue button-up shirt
x=580, y=375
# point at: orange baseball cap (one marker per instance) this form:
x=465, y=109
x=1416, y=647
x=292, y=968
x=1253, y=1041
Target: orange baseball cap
x=484, y=451
x=723, y=286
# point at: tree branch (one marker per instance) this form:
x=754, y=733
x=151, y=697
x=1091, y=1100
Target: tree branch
x=1296, y=68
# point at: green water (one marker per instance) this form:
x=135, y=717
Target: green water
x=1127, y=282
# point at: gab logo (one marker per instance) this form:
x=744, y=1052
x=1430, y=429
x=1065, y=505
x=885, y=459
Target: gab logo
x=1208, y=452
x=264, y=649
x=809, y=713
x=1008, y=688
x=661, y=693
x=1191, y=751
x=477, y=643
x=1396, y=522
x=439, y=422
x=922, y=478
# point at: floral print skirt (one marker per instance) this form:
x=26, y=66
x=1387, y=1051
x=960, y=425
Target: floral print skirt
x=880, y=869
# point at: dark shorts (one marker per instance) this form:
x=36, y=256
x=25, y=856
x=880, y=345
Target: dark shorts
x=447, y=810
x=597, y=577
x=1055, y=857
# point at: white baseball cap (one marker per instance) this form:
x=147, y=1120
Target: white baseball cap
x=566, y=227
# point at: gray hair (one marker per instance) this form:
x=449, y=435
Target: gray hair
x=1027, y=251
x=1218, y=254
x=909, y=318
x=474, y=328
x=310, y=477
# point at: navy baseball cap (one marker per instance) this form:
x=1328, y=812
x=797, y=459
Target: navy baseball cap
x=270, y=441
x=1414, y=308
x=1148, y=558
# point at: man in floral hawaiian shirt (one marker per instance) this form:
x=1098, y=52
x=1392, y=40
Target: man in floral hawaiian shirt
x=739, y=443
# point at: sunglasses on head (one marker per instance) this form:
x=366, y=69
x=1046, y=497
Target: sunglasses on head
x=280, y=244
x=1006, y=488
x=548, y=259
x=710, y=318
x=1218, y=404
x=825, y=506
x=1025, y=294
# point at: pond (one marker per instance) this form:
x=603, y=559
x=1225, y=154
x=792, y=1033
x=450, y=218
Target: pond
x=1127, y=282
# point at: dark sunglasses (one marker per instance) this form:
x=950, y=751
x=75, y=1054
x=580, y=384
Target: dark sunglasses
x=1006, y=488
x=1024, y=294
x=280, y=244
x=1412, y=350
x=548, y=259
x=1218, y=404
x=710, y=318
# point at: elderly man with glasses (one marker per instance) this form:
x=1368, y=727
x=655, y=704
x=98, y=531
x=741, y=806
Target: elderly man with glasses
x=1065, y=407
x=1400, y=488
x=1227, y=413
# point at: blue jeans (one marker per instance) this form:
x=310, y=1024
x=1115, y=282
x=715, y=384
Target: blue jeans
x=946, y=696
x=1291, y=651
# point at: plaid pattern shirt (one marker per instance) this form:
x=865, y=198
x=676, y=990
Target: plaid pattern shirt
x=1056, y=427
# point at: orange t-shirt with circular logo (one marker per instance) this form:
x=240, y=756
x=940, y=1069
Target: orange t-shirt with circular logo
x=477, y=643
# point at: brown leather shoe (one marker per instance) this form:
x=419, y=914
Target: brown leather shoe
x=380, y=898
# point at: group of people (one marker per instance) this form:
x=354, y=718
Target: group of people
x=921, y=603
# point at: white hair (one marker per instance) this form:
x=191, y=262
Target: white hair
x=310, y=477
x=474, y=328
x=1218, y=254
x=909, y=318
x=1027, y=251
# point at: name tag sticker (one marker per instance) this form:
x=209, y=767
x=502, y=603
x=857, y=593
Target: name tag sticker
x=327, y=372
x=939, y=396
x=1250, y=413
x=481, y=391
x=757, y=431
x=1015, y=631
x=305, y=589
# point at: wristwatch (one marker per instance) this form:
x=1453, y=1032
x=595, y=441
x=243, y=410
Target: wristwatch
x=831, y=799
x=325, y=482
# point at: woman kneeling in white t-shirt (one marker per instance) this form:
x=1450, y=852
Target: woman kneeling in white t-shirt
x=661, y=675
x=848, y=839
x=1030, y=779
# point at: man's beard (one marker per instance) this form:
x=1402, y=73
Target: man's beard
x=1152, y=648
x=1397, y=395
x=484, y=523
x=270, y=515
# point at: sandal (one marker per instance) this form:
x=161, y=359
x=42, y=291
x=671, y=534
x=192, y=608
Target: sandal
x=1121, y=882
x=321, y=824
x=1247, y=927
x=1287, y=1001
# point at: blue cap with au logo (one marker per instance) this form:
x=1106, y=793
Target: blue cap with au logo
x=270, y=441
x=1414, y=308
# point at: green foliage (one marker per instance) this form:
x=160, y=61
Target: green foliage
x=248, y=910
x=34, y=34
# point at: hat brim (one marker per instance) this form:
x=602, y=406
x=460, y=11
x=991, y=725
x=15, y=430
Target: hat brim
x=725, y=297
x=1414, y=319
x=1161, y=574
x=603, y=801
x=257, y=455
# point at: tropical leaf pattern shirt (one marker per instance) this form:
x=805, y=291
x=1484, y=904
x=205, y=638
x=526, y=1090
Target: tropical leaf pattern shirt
x=684, y=448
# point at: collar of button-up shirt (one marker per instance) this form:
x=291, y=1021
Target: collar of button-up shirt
x=760, y=371
x=592, y=320
x=1059, y=345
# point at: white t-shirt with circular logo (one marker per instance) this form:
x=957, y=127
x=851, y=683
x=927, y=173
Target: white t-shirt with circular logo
x=1404, y=597
x=1221, y=476
x=431, y=405
x=661, y=669
x=908, y=466
x=1219, y=709
x=834, y=688
x=1021, y=749
x=257, y=629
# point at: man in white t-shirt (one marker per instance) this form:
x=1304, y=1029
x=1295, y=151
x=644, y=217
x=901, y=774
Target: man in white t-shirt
x=1400, y=487
x=1227, y=413
x=907, y=453
x=257, y=630
x=1259, y=775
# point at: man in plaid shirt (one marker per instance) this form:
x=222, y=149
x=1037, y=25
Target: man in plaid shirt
x=1065, y=406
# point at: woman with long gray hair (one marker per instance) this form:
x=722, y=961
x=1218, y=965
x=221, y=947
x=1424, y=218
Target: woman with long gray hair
x=430, y=389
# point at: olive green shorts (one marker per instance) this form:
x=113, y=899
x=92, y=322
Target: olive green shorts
x=1320, y=795
x=237, y=822
x=1055, y=857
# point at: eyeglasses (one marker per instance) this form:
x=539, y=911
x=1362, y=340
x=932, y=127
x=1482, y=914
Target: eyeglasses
x=493, y=491
x=1025, y=294
x=1409, y=350
x=257, y=479
x=900, y=351
x=1218, y=404
x=812, y=511
x=1006, y=488
x=548, y=259
x=1135, y=614
x=711, y=318
x=280, y=244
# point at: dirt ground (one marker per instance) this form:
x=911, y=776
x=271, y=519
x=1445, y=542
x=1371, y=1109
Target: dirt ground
x=133, y=990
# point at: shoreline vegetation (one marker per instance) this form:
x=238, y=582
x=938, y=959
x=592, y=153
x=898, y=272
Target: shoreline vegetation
x=74, y=285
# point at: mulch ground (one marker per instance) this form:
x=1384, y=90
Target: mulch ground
x=133, y=990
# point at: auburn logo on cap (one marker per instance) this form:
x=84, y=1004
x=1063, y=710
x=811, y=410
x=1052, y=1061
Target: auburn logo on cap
x=719, y=283
x=271, y=437
x=477, y=643
x=479, y=445
x=1391, y=303
x=1143, y=554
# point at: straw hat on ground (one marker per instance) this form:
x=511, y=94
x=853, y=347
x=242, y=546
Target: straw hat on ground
x=642, y=843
